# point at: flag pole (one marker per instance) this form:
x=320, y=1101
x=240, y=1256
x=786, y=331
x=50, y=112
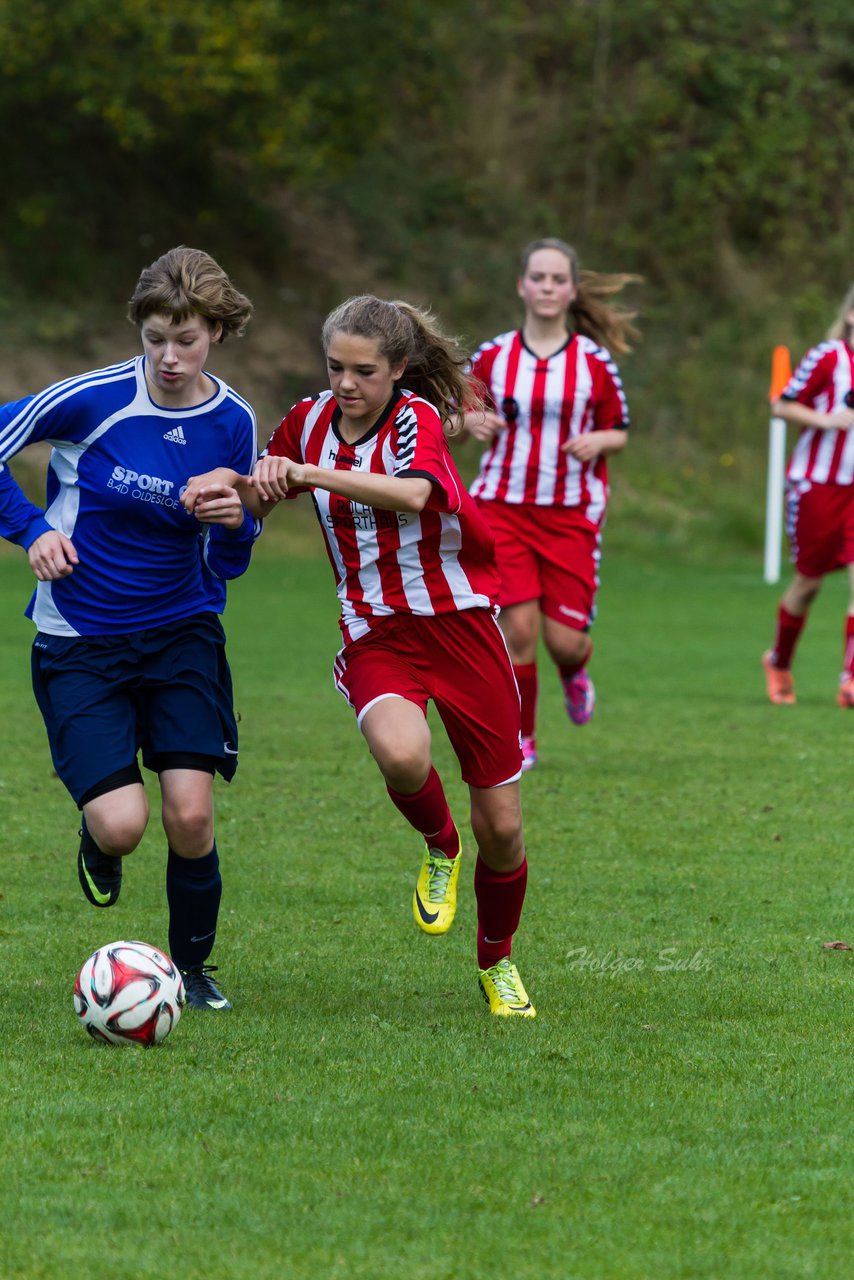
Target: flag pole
x=781, y=372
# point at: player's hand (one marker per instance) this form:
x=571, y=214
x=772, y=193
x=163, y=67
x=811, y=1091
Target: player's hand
x=841, y=419
x=484, y=425
x=219, y=477
x=273, y=477
x=297, y=474
x=219, y=504
x=584, y=448
x=52, y=556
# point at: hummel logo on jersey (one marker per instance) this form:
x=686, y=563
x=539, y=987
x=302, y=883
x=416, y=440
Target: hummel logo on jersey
x=176, y=435
x=571, y=613
x=335, y=455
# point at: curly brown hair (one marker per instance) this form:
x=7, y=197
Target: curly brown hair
x=186, y=282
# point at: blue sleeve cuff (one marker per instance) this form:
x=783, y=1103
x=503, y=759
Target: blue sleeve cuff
x=36, y=527
x=245, y=530
x=227, y=551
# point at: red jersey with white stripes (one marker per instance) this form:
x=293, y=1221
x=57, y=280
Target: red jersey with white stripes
x=822, y=381
x=440, y=560
x=577, y=389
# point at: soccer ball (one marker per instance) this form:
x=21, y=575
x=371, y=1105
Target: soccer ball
x=129, y=993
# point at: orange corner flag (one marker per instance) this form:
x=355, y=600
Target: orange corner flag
x=781, y=371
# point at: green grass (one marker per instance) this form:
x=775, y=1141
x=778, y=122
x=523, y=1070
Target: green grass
x=680, y=1107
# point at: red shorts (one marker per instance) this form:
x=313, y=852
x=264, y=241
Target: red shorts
x=820, y=526
x=549, y=554
x=460, y=661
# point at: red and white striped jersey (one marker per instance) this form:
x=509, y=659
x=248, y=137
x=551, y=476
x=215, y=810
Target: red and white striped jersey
x=822, y=381
x=439, y=561
x=577, y=389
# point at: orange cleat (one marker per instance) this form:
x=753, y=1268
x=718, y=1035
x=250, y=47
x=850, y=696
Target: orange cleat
x=845, y=696
x=780, y=685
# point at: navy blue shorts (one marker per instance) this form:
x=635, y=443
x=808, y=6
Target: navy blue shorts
x=166, y=692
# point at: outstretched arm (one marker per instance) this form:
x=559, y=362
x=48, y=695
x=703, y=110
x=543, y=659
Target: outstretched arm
x=804, y=416
x=274, y=476
x=592, y=444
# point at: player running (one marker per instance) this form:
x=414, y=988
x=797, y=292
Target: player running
x=415, y=574
x=129, y=651
x=555, y=411
x=819, y=398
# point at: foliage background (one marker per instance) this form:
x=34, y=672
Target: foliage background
x=413, y=148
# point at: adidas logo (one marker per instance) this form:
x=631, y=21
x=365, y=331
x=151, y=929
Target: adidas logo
x=176, y=435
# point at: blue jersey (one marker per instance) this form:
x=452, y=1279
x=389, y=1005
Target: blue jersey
x=118, y=467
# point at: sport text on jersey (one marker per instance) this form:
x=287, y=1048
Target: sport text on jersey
x=344, y=514
x=144, y=488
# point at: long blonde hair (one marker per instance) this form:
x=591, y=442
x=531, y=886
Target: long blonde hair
x=435, y=362
x=841, y=328
x=607, y=323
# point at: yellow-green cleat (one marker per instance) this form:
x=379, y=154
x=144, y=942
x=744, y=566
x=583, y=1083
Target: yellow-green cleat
x=100, y=873
x=434, y=902
x=502, y=988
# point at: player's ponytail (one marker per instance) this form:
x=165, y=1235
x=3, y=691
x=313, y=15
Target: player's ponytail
x=842, y=329
x=605, y=322
x=435, y=362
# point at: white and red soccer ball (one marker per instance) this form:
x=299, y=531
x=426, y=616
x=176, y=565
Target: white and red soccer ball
x=129, y=993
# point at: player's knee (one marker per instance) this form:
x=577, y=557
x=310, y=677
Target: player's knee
x=189, y=828
x=522, y=639
x=499, y=839
x=802, y=593
x=119, y=834
x=404, y=767
x=572, y=648
x=116, y=820
x=403, y=756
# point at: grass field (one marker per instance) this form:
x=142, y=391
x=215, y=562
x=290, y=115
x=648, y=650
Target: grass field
x=679, y=1108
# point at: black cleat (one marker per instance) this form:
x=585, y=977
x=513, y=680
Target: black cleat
x=100, y=873
x=202, y=992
